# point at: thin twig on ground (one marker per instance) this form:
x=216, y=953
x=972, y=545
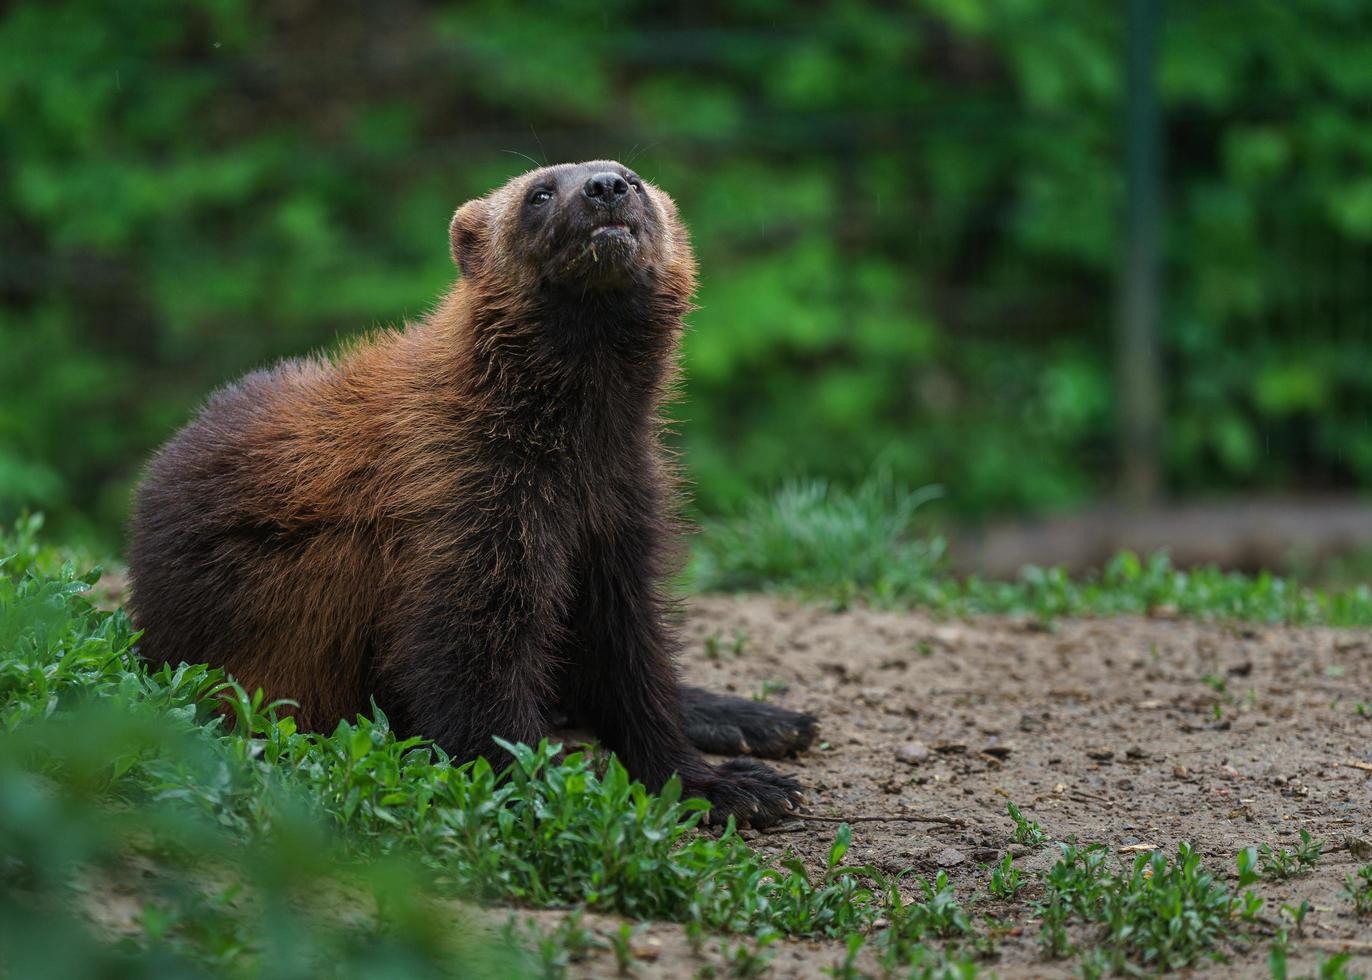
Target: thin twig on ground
x=891, y=818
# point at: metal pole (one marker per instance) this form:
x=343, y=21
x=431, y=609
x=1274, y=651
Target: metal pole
x=1137, y=373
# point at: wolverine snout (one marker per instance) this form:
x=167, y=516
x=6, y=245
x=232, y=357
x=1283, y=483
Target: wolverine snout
x=605, y=189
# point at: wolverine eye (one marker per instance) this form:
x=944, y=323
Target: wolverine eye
x=636, y=184
x=540, y=196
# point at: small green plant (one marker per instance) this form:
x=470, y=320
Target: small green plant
x=939, y=913
x=751, y=960
x=769, y=688
x=1280, y=864
x=1005, y=878
x=695, y=937
x=713, y=647
x=1250, y=905
x=1026, y=831
x=571, y=942
x=1334, y=967
x=1097, y=962
x=847, y=968
x=1358, y=890
x=1277, y=955
x=934, y=913
x=1158, y=913
x=1247, y=863
x=1309, y=851
x=929, y=964
x=1055, y=913
x=716, y=646
x=1363, y=709
x=983, y=943
x=1216, y=683
x=1297, y=914
x=622, y=945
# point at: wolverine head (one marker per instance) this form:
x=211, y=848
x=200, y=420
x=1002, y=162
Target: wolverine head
x=593, y=227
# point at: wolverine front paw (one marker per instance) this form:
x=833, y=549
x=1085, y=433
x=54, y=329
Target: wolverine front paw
x=753, y=794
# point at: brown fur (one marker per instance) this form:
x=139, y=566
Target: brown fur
x=466, y=519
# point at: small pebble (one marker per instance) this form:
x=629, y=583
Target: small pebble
x=948, y=857
x=648, y=949
x=913, y=753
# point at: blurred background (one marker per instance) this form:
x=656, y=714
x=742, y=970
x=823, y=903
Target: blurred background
x=1057, y=257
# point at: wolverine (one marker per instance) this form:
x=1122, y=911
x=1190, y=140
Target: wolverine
x=468, y=520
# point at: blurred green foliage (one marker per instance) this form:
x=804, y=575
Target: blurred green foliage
x=906, y=216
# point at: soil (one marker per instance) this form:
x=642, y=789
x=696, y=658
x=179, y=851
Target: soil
x=1126, y=731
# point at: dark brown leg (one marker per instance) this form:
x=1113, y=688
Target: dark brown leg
x=625, y=687
x=469, y=653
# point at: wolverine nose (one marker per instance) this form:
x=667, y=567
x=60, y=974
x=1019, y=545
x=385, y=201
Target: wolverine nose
x=605, y=189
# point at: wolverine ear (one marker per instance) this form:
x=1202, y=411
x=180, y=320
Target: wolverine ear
x=467, y=236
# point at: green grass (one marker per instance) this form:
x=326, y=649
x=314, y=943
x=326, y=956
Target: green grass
x=867, y=545
x=814, y=538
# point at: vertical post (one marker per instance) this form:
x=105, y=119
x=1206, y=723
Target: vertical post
x=1137, y=374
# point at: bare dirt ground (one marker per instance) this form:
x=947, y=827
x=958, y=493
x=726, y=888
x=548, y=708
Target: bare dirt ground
x=1103, y=730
